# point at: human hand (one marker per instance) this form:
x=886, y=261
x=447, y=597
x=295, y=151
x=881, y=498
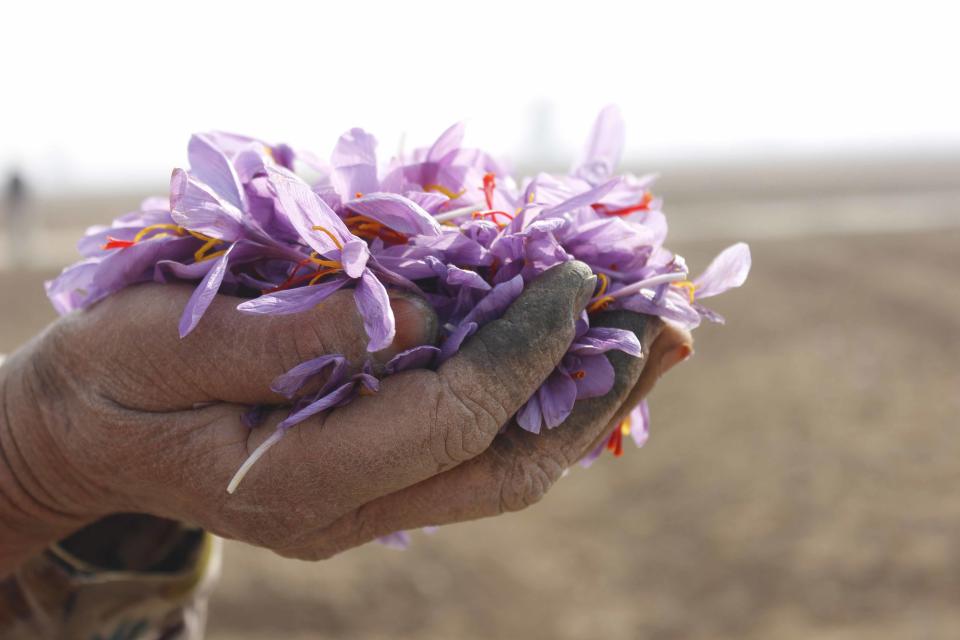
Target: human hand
x=109, y=411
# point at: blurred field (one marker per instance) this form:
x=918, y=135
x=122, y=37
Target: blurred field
x=801, y=480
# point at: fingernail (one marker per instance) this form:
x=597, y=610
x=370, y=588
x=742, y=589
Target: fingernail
x=587, y=287
x=416, y=323
x=674, y=357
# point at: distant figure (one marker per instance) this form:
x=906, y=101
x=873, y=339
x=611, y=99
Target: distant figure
x=15, y=206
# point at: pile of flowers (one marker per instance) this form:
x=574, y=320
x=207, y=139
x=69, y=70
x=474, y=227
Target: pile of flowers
x=446, y=222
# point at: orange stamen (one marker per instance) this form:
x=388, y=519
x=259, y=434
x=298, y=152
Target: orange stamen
x=320, y=273
x=208, y=243
x=177, y=230
x=579, y=375
x=599, y=305
x=444, y=190
x=369, y=229
x=604, y=283
x=330, y=235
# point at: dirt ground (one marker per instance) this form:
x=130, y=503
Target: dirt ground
x=801, y=482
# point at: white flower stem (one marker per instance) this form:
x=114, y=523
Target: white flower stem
x=256, y=455
x=456, y=213
x=644, y=284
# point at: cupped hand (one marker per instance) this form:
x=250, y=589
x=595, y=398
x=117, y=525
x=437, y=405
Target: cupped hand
x=110, y=411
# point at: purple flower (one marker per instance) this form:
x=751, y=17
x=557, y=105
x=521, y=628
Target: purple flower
x=346, y=255
x=584, y=372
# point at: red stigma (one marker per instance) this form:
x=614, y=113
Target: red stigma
x=292, y=279
x=643, y=205
x=615, y=443
x=113, y=243
x=489, y=184
x=492, y=216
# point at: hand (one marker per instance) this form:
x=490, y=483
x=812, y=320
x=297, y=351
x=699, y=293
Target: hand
x=109, y=411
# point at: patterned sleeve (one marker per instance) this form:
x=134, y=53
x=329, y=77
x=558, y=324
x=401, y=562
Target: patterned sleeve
x=126, y=577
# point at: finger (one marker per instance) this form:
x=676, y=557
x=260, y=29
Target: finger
x=421, y=422
x=230, y=356
x=513, y=473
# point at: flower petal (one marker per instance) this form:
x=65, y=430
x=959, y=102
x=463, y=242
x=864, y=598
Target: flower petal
x=292, y=381
x=584, y=199
x=530, y=418
x=604, y=147
x=396, y=212
x=449, y=141
x=354, y=163
x=293, y=300
x=557, y=396
x=197, y=207
x=453, y=342
x=602, y=339
x=204, y=293
x=307, y=211
x=640, y=423
x=322, y=403
x=210, y=165
x=728, y=270
x=396, y=540
x=496, y=302
x=593, y=375
x=354, y=257
x=374, y=306
x=421, y=357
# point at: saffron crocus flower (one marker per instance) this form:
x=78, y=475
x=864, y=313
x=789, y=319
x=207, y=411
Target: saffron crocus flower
x=584, y=372
x=341, y=256
x=678, y=300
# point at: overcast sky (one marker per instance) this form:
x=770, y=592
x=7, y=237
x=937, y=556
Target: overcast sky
x=98, y=94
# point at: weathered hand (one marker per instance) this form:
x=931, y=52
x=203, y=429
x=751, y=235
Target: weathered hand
x=109, y=411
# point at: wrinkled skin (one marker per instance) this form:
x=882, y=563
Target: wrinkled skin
x=109, y=411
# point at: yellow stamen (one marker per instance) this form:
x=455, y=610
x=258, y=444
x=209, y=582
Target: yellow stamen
x=177, y=230
x=530, y=198
x=689, y=286
x=444, y=190
x=625, y=426
x=321, y=273
x=332, y=264
x=599, y=305
x=330, y=234
x=604, y=283
x=209, y=243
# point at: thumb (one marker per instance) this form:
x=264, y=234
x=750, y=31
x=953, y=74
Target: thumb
x=230, y=356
